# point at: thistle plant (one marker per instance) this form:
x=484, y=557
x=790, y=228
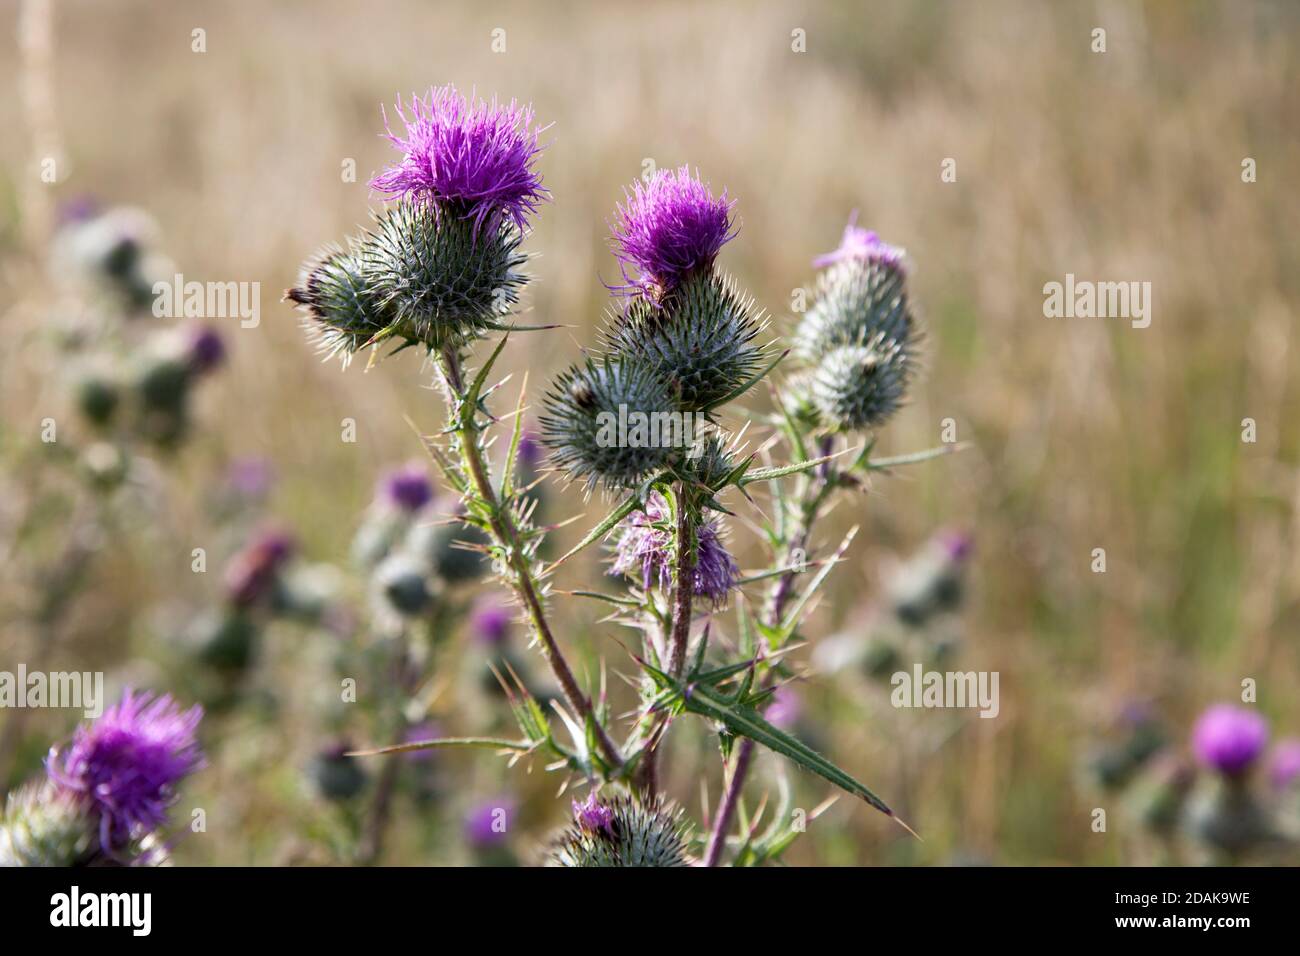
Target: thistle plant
x=642, y=419
x=107, y=795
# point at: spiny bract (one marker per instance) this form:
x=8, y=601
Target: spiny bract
x=340, y=311
x=699, y=337
x=628, y=834
x=582, y=421
x=439, y=284
x=857, y=303
x=857, y=387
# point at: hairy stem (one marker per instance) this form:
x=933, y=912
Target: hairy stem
x=507, y=537
x=683, y=584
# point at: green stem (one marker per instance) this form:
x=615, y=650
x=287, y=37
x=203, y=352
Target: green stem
x=507, y=537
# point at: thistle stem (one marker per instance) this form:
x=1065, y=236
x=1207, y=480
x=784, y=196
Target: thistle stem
x=507, y=537
x=814, y=497
x=683, y=584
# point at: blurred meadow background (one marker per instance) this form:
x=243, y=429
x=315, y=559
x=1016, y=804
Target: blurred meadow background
x=1081, y=433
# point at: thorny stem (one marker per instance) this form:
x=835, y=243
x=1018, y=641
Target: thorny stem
x=507, y=536
x=683, y=585
x=814, y=497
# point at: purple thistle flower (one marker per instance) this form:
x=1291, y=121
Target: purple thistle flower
x=127, y=764
x=204, y=349
x=593, y=816
x=645, y=551
x=407, y=488
x=668, y=228
x=1284, y=764
x=467, y=156
x=487, y=823
x=862, y=244
x=1229, y=739
x=489, y=620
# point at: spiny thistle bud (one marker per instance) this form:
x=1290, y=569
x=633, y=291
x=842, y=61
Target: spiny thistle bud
x=622, y=832
x=699, y=337
x=859, y=387
x=439, y=281
x=125, y=767
x=450, y=548
x=335, y=776
x=252, y=575
x=402, y=583
x=667, y=229
x=644, y=552
x=467, y=158
x=861, y=300
x=584, y=410
x=44, y=826
x=1225, y=816
x=98, y=395
x=225, y=640
x=340, y=311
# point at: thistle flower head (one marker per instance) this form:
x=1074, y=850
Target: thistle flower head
x=339, y=310
x=862, y=245
x=594, y=816
x=1229, y=739
x=44, y=825
x=127, y=765
x=436, y=280
x=700, y=338
x=857, y=302
x=406, y=488
x=667, y=228
x=466, y=157
x=858, y=387
x=621, y=832
x=584, y=409
x=644, y=552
